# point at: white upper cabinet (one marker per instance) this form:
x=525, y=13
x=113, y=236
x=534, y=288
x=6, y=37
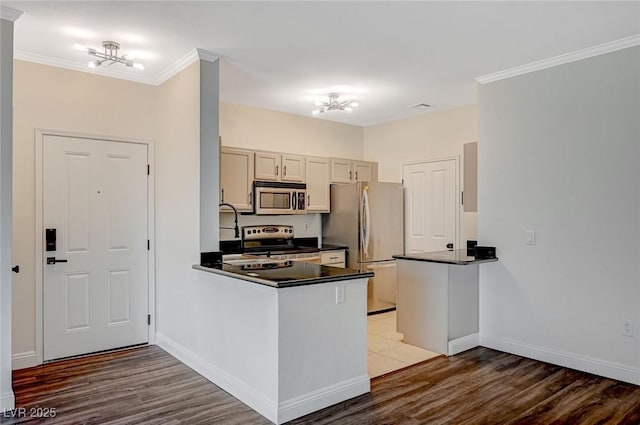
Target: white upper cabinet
x=240, y=167
x=293, y=168
x=365, y=171
x=236, y=178
x=271, y=166
x=341, y=170
x=318, y=179
x=349, y=171
x=267, y=166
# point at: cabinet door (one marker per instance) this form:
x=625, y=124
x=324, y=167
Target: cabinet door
x=267, y=166
x=365, y=171
x=318, y=193
x=236, y=178
x=293, y=168
x=341, y=170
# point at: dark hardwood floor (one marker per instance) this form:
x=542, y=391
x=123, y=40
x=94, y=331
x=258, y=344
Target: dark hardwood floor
x=482, y=386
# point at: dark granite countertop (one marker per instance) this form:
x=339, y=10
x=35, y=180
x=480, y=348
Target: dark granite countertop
x=458, y=256
x=298, y=274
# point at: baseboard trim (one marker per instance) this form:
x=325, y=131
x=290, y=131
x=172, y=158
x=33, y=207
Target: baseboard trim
x=237, y=388
x=24, y=360
x=324, y=397
x=573, y=361
x=276, y=412
x=7, y=401
x=463, y=344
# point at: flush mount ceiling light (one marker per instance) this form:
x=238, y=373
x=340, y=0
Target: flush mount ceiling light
x=109, y=56
x=334, y=104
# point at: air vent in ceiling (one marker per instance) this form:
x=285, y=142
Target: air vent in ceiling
x=420, y=106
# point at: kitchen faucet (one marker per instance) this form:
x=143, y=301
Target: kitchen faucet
x=235, y=214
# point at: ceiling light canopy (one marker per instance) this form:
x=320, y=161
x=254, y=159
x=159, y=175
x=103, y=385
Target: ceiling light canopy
x=334, y=104
x=109, y=56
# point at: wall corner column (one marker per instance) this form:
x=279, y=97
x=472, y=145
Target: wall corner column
x=7, y=18
x=209, y=151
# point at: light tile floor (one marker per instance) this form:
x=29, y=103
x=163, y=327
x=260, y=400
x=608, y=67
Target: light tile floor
x=387, y=352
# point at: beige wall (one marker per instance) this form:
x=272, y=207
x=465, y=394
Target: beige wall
x=433, y=135
x=55, y=98
x=262, y=129
x=177, y=201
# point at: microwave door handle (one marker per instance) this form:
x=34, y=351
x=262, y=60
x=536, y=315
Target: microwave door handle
x=294, y=201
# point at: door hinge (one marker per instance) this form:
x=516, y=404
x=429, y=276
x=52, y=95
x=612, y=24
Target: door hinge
x=149, y=319
x=148, y=245
x=148, y=169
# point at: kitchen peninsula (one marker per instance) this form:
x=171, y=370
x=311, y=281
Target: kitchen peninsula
x=438, y=300
x=286, y=340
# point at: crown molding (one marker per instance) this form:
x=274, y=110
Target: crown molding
x=205, y=55
x=597, y=50
x=191, y=57
x=10, y=14
x=121, y=73
x=75, y=66
x=176, y=67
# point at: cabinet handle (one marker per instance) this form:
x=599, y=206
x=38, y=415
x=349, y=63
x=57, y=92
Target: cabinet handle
x=356, y=175
x=276, y=170
x=222, y=191
x=250, y=196
x=350, y=175
x=284, y=170
x=308, y=200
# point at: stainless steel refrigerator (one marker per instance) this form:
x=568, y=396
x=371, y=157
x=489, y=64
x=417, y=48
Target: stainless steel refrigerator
x=368, y=218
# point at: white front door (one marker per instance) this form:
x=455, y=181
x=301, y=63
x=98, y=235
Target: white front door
x=430, y=205
x=95, y=199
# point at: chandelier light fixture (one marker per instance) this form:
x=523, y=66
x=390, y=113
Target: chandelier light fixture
x=109, y=56
x=334, y=104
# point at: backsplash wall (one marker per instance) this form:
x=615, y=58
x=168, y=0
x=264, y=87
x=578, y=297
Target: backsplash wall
x=304, y=226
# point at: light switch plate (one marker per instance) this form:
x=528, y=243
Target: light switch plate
x=530, y=237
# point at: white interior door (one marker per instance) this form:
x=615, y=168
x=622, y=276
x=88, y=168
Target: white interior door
x=431, y=208
x=95, y=197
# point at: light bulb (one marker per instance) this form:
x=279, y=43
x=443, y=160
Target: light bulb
x=79, y=47
x=348, y=109
x=315, y=111
x=138, y=65
x=354, y=104
x=91, y=64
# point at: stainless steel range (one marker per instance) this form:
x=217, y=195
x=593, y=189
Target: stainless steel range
x=276, y=242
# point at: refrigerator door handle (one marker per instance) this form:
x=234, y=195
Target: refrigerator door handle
x=366, y=220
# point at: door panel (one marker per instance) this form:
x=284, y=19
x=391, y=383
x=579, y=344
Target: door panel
x=76, y=232
x=76, y=304
x=95, y=196
x=430, y=205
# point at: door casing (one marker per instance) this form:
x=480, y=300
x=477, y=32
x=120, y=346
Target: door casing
x=39, y=230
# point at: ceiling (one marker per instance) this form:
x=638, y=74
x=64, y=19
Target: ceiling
x=284, y=55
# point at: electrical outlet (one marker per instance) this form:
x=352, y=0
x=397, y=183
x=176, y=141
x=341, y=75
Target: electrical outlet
x=627, y=328
x=530, y=237
x=339, y=294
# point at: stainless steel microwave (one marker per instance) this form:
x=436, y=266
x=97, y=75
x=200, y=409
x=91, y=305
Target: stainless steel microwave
x=274, y=198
